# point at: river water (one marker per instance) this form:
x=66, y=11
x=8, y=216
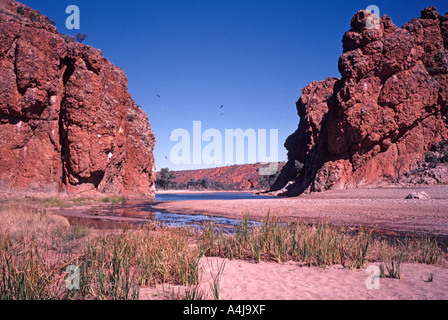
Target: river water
x=138, y=212
x=173, y=219
x=208, y=196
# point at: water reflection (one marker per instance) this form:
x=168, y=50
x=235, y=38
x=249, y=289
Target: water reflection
x=197, y=221
x=209, y=196
x=138, y=213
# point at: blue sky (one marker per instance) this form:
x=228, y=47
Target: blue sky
x=252, y=56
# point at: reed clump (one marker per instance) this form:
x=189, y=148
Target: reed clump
x=312, y=244
x=115, y=266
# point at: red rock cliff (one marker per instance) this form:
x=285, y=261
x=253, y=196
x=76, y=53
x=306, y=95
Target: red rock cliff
x=242, y=177
x=67, y=121
x=379, y=119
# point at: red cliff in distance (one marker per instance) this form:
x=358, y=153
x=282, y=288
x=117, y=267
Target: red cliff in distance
x=235, y=177
x=67, y=120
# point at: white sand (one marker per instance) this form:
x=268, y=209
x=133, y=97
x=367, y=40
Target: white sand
x=242, y=280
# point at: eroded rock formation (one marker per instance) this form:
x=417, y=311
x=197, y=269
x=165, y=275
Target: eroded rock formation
x=377, y=121
x=67, y=121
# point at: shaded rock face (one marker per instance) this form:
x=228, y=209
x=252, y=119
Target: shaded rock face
x=67, y=121
x=379, y=119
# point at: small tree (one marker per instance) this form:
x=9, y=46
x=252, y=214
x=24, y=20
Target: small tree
x=80, y=37
x=206, y=183
x=192, y=183
x=67, y=38
x=166, y=178
x=34, y=17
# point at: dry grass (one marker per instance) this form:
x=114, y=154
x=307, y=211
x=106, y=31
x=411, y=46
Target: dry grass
x=63, y=202
x=25, y=223
x=36, y=247
x=114, y=266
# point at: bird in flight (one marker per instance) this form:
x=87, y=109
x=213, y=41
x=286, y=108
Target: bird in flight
x=221, y=107
x=157, y=95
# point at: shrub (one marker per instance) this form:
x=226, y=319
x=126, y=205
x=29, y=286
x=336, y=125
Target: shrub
x=67, y=38
x=80, y=37
x=34, y=17
x=166, y=179
x=20, y=10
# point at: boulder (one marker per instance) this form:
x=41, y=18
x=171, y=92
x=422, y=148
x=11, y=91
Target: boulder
x=418, y=195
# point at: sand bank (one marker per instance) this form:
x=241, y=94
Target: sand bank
x=242, y=280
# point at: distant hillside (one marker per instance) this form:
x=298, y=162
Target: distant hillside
x=236, y=177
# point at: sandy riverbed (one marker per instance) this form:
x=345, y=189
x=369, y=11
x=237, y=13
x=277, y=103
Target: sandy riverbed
x=242, y=280
x=382, y=207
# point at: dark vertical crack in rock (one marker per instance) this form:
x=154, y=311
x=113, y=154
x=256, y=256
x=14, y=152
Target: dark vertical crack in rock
x=68, y=65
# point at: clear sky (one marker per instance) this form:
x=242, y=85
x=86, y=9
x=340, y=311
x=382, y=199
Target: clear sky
x=252, y=56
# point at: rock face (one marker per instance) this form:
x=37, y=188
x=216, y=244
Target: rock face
x=432, y=170
x=67, y=121
x=377, y=121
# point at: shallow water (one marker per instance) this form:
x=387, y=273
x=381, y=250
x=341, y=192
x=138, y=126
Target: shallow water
x=197, y=221
x=192, y=220
x=209, y=196
x=138, y=213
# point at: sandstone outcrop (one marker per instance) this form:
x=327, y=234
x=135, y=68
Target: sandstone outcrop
x=67, y=120
x=377, y=121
